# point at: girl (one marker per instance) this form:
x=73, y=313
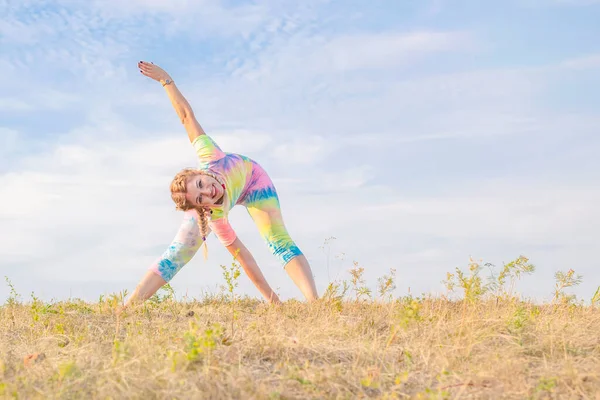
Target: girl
x=207, y=194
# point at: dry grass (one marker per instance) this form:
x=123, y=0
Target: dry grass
x=430, y=348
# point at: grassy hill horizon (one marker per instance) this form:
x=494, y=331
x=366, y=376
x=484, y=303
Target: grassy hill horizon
x=480, y=340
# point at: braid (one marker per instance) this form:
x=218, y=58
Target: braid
x=203, y=225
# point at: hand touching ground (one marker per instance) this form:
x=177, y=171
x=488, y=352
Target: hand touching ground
x=153, y=71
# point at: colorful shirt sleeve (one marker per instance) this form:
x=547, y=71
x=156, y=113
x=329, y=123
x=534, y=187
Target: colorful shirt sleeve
x=206, y=149
x=184, y=246
x=223, y=231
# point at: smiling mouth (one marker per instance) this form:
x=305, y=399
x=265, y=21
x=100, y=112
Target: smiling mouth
x=213, y=191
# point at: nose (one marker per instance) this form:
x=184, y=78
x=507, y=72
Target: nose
x=205, y=191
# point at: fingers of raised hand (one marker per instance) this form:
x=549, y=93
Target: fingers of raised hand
x=146, y=67
x=152, y=71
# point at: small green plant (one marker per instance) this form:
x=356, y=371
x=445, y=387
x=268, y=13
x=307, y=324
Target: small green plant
x=35, y=308
x=117, y=299
x=231, y=275
x=518, y=321
x=335, y=293
x=407, y=314
x=471, y=282
x=13, y=298
x=546, y=385
x=401, y=378
x=59, y=329
x=358, y=282
x=120, y=350
x=513, y=271
x=38, y=308
x=67, y=370
x=450, y=282
x=370, y=381
x=563, y=281
x=386, y=284
x=200, y=344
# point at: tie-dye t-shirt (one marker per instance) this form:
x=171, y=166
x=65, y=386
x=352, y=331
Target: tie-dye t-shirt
x=247, y=184
x=235, y=171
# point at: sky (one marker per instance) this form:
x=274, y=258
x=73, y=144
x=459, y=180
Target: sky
x=406, y=135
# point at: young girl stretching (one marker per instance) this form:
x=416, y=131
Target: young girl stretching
x=207, y=194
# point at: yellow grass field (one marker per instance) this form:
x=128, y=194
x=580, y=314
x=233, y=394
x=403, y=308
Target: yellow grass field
x=479, y=342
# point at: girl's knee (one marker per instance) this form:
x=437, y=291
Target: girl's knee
x=285, y=254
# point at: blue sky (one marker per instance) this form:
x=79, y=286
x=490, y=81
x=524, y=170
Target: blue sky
x=417, y=133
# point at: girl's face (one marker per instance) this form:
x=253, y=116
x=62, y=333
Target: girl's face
x=204, y=190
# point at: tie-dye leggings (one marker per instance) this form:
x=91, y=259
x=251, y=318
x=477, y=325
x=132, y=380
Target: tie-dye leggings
x=262, y=203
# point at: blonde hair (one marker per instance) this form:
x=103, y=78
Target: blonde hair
x=178, y=191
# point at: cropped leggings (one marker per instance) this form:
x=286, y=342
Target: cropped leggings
x=261, y=202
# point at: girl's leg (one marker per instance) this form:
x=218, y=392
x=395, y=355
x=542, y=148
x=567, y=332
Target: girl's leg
x=299, y=270
x=182, y=249
x=263, y=207
x=149, y=284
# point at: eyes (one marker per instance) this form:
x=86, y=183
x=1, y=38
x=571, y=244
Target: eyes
x=199, y=186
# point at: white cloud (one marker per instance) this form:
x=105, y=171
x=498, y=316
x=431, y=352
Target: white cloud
x=242, y=141
x=502, y=211
x=347, y=180
x=380, y=51
x=195, y=20
x=11, y=104
x=305, y=55
x=586, y=62
x=17, y=33
x=303, y=150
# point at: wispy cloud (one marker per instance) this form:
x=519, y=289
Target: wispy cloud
x=583, y=63
x=305, y=54
x=11, y=104
x=387, y=50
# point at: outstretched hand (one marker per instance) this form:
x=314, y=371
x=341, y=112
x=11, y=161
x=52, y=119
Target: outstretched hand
x=153, y=71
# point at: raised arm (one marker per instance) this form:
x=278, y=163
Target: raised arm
x=181, y=105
